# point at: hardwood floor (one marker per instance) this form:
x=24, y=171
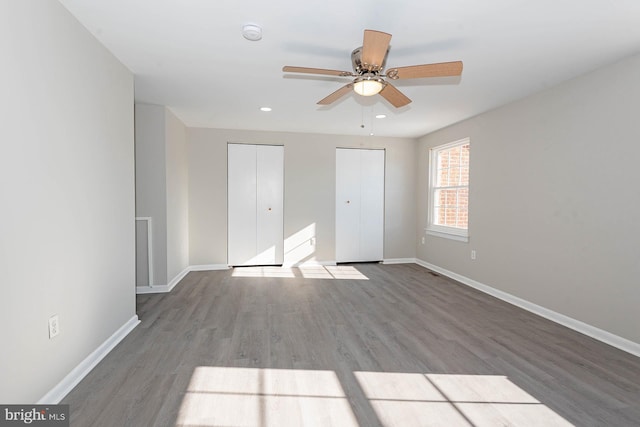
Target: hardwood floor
x=366, y=345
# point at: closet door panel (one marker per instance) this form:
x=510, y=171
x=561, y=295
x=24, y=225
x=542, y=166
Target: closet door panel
x=372, y=205
x=270, y=203
x=347, y=205
x=241, y=197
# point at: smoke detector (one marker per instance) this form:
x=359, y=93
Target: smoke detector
x=252, y=32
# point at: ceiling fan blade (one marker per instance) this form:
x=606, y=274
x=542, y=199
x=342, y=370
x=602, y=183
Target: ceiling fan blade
x=394, y=96
x=289, y=69
x=442, y=69
x=374, y=49
x=336, y=95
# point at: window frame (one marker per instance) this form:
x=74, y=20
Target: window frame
x=453, y=233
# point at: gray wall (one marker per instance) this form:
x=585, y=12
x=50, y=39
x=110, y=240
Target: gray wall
x=162, y=187
x=554, y=200
x=309, y=191
x=66, y=185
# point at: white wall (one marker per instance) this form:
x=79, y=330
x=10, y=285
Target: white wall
x=162, y=187
x=66, y=185
x=151, y=186
x=309, y=191
x=177, y=196
x=554, y=200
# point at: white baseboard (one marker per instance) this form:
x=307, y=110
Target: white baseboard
x=152, y=289
x=172, y=284
x=584, y=328
x=399, y=261
x=209, y=267
x=57, y=393
x=161, y=289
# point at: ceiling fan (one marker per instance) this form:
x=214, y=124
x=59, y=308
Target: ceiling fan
x=368, y=69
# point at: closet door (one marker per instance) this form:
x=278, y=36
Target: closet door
x=359, y=205
x=255, y=204
x=347, y=205
x=270, y=203
x=242, y=202
x=372, y=205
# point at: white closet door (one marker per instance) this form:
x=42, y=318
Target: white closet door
x=347, y=205
x=359, y=205
x=241, y=196
x=372, y=205
x=255, y=204
x=270, y=203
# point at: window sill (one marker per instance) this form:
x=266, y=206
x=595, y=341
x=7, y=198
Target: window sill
x=450, y=236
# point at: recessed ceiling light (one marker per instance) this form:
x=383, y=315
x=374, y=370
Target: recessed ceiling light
x=380, y=116
x=252, y=32
x=265, y=109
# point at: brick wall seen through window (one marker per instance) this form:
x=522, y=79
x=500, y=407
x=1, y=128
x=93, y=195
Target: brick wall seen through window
x=449, y=188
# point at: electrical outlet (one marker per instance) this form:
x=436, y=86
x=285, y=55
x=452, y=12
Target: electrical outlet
x=423, y=240
x=54, y=326
x=473, y=254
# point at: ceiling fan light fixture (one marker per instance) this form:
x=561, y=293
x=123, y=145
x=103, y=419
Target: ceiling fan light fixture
x=368, y=86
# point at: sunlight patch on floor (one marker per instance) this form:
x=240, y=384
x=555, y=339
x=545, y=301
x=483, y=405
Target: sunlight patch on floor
x=345, y=272
x=264, y=397
x=315, y=272
x=281, y=272
x=401, y=399
x=330, y=272
x=233, y=397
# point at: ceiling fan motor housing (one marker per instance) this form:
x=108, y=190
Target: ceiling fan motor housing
x=359, y=68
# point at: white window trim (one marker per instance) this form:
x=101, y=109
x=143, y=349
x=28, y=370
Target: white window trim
x=453, y=233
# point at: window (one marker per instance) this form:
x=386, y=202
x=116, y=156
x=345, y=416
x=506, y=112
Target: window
x=449, y=190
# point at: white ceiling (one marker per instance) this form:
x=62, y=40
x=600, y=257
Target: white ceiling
x=190, y=56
